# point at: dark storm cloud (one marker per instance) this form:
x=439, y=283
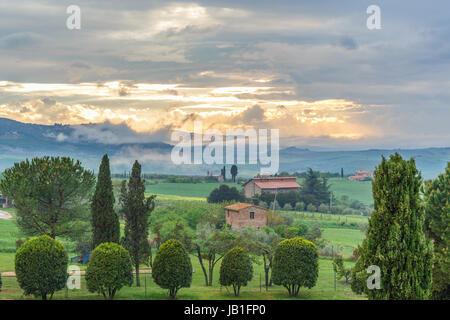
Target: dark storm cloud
x=317, y=49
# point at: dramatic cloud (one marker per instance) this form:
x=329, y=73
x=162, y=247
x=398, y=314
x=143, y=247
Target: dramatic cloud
x=311, y=69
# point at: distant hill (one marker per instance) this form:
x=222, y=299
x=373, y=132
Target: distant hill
x=89, y=142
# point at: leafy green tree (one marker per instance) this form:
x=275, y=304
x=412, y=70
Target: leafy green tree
x=295, y=264
x=51, y=196
x=234, y=172
x=41, y=266
x=224, y=193
x=172, y=267
x=315, y=189
x=339, y=268
x=210, y=247
x=136, y=209
x=105, y=222
x=262, y=243
x=437, y=222
x=395, y=240
x=236, y=269
x=109, y=269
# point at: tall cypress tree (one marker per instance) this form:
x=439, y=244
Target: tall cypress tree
x=136, y=209
x=395, y=240
x=437, y=222
x=105, y=223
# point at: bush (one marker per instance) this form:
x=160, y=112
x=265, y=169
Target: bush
x=41, y=266
x=291, y=232
x=172, y=267
x=263, y=204
x=323, y=208
x=109, y=269
x=299, y=206
x=236, y=269
x=287, y=207
x=287, y=218
x=311, y=208
x=295, y=264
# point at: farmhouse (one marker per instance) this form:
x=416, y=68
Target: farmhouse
x=240, y=215
x=362, y=175
x=256, y=186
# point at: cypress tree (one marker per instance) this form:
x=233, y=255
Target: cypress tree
x=395, y=240
x=136, y=209
x=437, y=221
x=105, y=222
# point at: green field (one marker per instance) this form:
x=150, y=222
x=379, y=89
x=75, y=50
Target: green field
x=185, y=191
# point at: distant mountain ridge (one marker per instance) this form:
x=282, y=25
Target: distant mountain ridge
x=21, y=140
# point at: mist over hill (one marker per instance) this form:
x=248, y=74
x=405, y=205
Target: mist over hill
x=89, y=142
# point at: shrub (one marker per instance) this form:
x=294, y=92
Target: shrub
x=109, y=269
x=236, y=269
x=295, y=264
x=263, y=204
x=323, y=208
x=299, y=206
x=172, y=267
x=311, y=208
x=287, y=218
x=41, y=266
x=287, y=207
x=341, y=271
x=291, y=232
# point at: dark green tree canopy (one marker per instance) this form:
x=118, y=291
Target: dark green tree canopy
x=224, y=193
x=41, y=266
x=105, y=222
x=437, y=222
x=295, y=264
x=236, y=269
x=172, y=267
x=109, y=269
x=395, y=240
x=136, y=210
x=51, y=196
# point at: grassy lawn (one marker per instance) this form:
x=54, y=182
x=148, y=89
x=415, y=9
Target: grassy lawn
x=324, y=288
x=357, y=190
x=186, y=191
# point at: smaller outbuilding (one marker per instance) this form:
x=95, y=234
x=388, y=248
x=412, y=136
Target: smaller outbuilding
x=241, y=215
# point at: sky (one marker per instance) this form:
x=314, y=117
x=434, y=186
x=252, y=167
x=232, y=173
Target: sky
x=311, y=69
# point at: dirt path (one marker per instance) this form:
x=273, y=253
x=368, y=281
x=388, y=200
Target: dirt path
x=5, y=215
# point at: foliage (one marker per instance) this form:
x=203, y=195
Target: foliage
x=236, y=269
x=295, y=264
x=395, y=240
x=172, y=267
x=136, y=209
x=51, y=196
x=323, y=208
x=315, y=188
x=300, y=206
x=105, y=223
x=341, y=271
x=437, y=221
x=210, y=246
x=234, y=172
x=109, y=269
x=224, y=193
x=41, y=266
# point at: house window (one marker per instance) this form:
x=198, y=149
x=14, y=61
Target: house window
x=252, y=215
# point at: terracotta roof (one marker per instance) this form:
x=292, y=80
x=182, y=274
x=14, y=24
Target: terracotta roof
x=239, y=206
x=271, y=179
x=277, y=184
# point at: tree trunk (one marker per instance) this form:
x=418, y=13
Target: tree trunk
x=200, y=260
x=138, y=281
